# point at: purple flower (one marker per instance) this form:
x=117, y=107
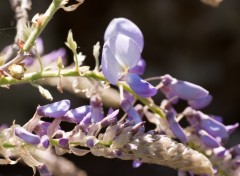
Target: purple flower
x=131, y=112
x=125, y=27
x=110, y=119
x=27, y=136
x=96, y=108
x=212, y=126
x=196, y=96
x=63, y=142
x=120, y=56
x=139, y=86
x=76, y=115
x=43, y=170
x=54, y=110
x=139, y=68
x=86, y=121
x=137, y=163
x=208, y=140
x=175, y=127
x=45, y=141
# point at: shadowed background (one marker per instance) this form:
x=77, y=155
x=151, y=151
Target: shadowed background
x=184, y=38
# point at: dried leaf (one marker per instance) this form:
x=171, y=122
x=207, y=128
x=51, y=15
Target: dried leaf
x=71, y=7
x=45, y=93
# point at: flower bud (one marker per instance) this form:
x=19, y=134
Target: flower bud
x=54, y=110
x=27, y=136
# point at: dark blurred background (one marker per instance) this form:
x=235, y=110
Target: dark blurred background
x=184, y=38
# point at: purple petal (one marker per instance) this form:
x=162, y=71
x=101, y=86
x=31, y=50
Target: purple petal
x=140, y=87
x=213, y=127
x=232, y=128
x=125, y=50
x=136, y=163
x=86, y=121
x=139, y=127
x=125, y=27
x=111, y=69
x=110, y=119
x=96, y=108
x=28, y=61
x=45, y=141
x=201, y=102
x=221, y=152
x=52, y=57
x=39, y=44
x=139, y=68
x=131, y=112
x=208, y=140
x=235, y=150
x=76, y=115
x=90, y=143
x=43, y=170
x=27, y=136
x=169, y=94
x=63, y=142
x=54, y=110
x=176, y=128
x=188, y=91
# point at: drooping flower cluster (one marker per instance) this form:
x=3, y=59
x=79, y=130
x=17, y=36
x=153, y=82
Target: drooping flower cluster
x=120, y=139
x=199, y=148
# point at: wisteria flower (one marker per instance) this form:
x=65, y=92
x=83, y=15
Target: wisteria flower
x=121, y=53
x=173, y=89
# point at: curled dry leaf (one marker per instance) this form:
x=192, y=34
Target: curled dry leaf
x=72, y=7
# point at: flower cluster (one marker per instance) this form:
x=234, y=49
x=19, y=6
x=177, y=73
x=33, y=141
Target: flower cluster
x=197, y=149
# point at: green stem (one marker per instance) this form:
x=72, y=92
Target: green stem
x=47, y=16
x=33, y=77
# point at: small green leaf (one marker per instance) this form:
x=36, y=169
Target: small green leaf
x=71, y=44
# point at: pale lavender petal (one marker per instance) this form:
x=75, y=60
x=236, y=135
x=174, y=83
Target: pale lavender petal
x=39, y=44
x=111, y=69
x=201, y=102
x=125, y=50
x=76, y=115
x=54, y=110
x=125, y=27
x=208, y=140
x=140, y=87
x=28, y=61
x=27, y=136
x=175, y=127
x=52, y=57
x=139, y=68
